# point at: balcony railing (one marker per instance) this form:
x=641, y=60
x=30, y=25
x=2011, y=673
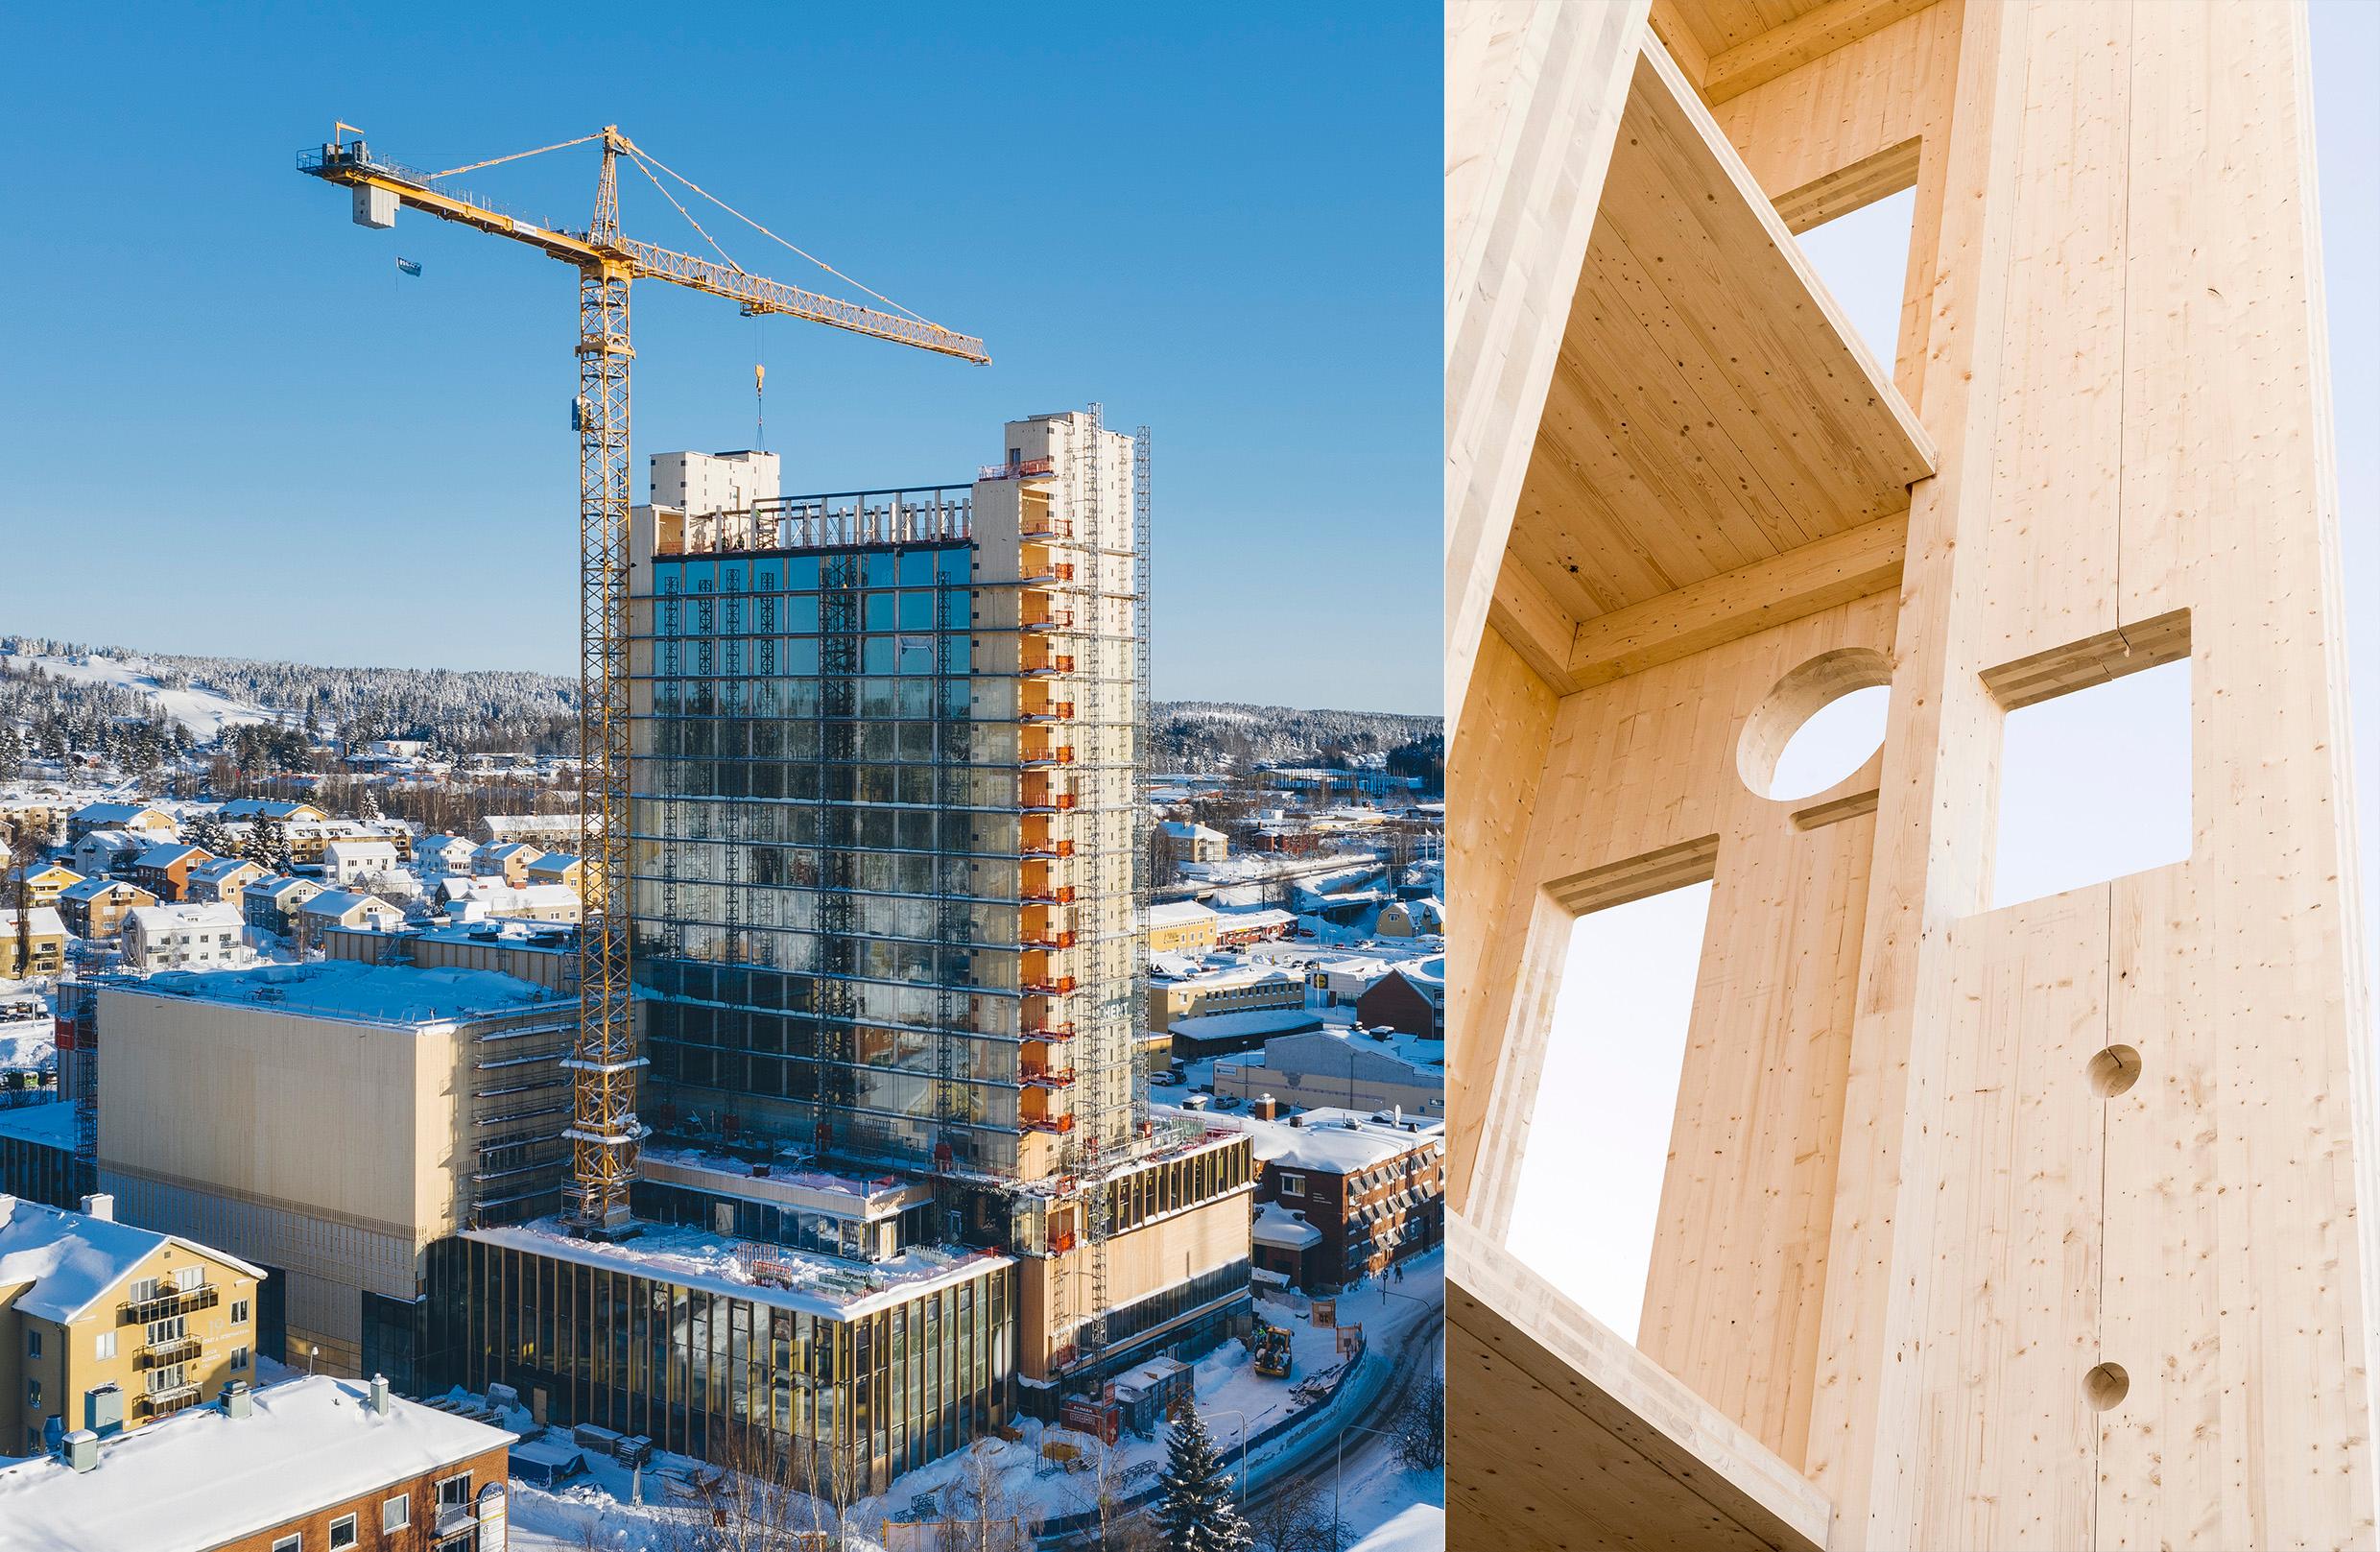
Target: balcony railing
x=161, y=1355
x=1051, y=1032
x=173, y=1302
x=1046, y=848
x=1043, y=1077
x=1058, y=1124
x=1050, y=939
x=1057, y=986
x=166, y=1403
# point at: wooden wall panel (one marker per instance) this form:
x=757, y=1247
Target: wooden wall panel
x=1529, y=137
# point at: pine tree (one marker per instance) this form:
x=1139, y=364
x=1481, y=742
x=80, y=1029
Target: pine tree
x=209, y=834
x=1195, y=1512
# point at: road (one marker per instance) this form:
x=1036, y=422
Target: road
x=1417, y=1355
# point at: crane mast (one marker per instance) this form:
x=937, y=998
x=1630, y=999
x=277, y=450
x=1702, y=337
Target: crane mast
x=604, y=1132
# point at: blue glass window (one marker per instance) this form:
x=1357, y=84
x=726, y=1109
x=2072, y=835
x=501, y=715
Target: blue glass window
x=917, y=611
x=879, y=611
x=878, y=568
x=917, y=568
x=801, y=574
x=955, y=562
x=877, y=656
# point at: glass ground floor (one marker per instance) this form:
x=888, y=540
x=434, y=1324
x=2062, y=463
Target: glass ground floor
x=850, y=1399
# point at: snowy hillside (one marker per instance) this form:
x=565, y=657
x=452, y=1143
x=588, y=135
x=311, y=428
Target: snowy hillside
x=202, y=712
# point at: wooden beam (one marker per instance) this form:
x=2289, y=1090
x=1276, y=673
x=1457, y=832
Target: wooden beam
x=1676, y=35
x=1562, y=1436
x=1797, y=585
x=1533, y=623
x=1847, y=189
x=1781, y=50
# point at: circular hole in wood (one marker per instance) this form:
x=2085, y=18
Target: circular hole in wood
x=2107, y=1385
x=1820, y=724
x=2113, y=1070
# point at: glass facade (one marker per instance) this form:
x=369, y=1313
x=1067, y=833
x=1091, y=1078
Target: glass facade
x=821, y=910
x=719, y=1376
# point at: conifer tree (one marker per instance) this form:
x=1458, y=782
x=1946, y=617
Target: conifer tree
x=1195, y=1512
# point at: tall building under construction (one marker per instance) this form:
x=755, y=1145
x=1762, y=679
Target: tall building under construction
x=888, y=893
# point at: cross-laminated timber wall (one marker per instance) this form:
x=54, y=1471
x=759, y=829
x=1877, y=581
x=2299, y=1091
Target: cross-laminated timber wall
x=1901, y=1227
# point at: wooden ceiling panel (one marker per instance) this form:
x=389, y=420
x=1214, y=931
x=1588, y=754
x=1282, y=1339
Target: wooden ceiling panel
x=1711, y=408
x=1561, y=1436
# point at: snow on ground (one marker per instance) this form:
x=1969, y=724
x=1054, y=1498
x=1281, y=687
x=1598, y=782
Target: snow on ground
x=1418, y=1528
x=205, y=712
x=1229, y=1393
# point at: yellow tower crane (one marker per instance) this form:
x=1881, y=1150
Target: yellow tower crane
x=604, y=1131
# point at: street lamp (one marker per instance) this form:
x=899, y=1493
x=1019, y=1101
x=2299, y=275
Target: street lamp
x=1339, y=1474
x=1235, y=1412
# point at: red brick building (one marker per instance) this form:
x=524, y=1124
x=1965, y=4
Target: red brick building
x=1343, y=1195
x=313, y=1465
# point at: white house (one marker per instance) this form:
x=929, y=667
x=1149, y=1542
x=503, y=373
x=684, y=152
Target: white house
x=347, y=862
x=182, y=937
x=102, y=851
x=437, y=855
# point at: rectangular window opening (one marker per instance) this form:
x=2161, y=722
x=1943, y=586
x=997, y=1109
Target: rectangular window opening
x=1590, y=1193
x=1862, y=254
x=2094, y=761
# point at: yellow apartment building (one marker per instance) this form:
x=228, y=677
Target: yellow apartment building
x=106, y=1326
x=43, y=951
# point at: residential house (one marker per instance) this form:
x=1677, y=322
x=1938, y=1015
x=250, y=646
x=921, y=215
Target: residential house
x=343, y=908
x=222, y=881
x=44, y=947
x=105, y=852
x=1412, y=919
x=107, y=1328
x=311, y=1465
x=1411, y=998
x=436, y=856
x=482, y=898
x=310, y=841
x=1180, y=927
x=1185, y=841
x=151, y=824
x=270, y=903
x=1371, y=1185
x=46, y=881
x=164, y=870
x=556, y=868
x=350, y=861
x=508, y=860
x=96, y=908
x=42, y=822
x=184, y=937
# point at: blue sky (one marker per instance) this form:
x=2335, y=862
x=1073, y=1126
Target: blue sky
x=1225, y=227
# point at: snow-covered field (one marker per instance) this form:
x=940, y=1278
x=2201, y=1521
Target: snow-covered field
x=202, y=712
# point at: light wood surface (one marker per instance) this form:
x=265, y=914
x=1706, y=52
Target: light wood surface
x=1568, y=1437
x=1906, y=1234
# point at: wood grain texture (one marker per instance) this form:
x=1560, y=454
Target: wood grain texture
x=1571, y=1439
x=1903, y=1223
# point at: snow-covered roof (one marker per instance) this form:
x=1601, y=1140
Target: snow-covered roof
x=42, y=921
x=114, y=814
x=350, y=989
x=693, y=1258
x=50, y=1123
x=166, y=855
x=1179, y=914
x=1263, y=921
x=218, y=868
x=1283, y=1230
x=203, y=1479
x=91, y=889
x=73, y=1261
x=352, y=845
x=167, y=918
x=338, y=902
x=1331, y=1142
x=1245, y=1022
